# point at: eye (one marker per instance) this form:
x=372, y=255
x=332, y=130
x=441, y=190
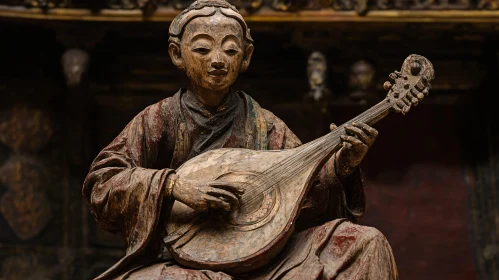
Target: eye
x=201, y=50
x=231, y=51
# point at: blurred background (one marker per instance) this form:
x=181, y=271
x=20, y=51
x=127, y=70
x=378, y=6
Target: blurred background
x=74, y=73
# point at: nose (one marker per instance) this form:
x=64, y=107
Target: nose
x=218, y=64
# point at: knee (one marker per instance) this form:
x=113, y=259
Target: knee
x=365, y=233
x=372, y=234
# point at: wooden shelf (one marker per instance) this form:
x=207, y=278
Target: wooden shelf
x=264, y=15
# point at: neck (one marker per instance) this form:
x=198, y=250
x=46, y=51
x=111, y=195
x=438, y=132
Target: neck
x=210, y=98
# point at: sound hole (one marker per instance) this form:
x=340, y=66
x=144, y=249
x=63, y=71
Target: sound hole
x=256, y=210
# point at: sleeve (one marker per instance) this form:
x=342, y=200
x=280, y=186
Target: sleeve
x=123, y=189
x=329, y=198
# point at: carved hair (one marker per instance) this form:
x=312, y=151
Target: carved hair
x=205, y=8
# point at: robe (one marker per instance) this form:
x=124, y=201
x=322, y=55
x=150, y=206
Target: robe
x=125, y=189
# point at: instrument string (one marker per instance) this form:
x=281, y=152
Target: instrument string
x=314, y=152
x=325, y=144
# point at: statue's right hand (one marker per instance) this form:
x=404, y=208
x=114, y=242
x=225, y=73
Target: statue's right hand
x=201, y=196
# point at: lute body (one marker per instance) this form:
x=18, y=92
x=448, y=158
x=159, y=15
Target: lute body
x=276, y=184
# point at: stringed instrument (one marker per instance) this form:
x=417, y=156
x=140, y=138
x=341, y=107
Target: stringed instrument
x=276, y=183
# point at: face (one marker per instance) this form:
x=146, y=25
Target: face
x=212, y=52
x=361, y=76
x=316, y=70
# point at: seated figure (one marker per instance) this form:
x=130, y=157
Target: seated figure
x=132, y=184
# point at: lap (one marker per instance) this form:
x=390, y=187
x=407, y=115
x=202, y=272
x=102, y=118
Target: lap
x=171, y=271
x=335, y=250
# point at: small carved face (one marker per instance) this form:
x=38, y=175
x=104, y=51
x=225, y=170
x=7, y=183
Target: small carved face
x=361, y=75
x=74, y=64
x=213, y=52
x=316, y=69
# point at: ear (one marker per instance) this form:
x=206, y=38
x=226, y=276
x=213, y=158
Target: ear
x=247, y=58
x=176, y=55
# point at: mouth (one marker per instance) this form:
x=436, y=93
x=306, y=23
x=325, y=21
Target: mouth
x=218, y=72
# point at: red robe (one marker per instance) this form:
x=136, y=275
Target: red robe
x=125, y=191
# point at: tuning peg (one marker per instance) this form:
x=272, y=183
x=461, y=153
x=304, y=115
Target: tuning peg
x=426, y=91
x=420, y=86
x=406, y=109
x=392, y=77
x=417, y=94
x=387, y=85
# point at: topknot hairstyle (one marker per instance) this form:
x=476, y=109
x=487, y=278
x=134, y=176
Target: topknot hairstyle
x=205, y=8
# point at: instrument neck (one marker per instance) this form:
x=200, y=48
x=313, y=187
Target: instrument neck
x=313, y=153
x=370, y=117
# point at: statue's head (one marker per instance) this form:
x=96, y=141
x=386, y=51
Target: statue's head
x=211, y=43
x=316, y=69
x=74, y=64
x=361, y=75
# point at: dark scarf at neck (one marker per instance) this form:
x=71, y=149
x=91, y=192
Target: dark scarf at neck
x=212, y=126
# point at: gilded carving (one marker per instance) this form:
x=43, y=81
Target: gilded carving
x=26, y=266
x=25, y=129
x=45, y=4
x=24, y=206
x=488, y=4
x=248, y=5
x=286, y=5
x=147, y=6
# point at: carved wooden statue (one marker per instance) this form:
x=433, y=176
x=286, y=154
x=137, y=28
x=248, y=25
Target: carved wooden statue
x=74, y=65
x=361, y=82
x=208, y=185
x=319, y=93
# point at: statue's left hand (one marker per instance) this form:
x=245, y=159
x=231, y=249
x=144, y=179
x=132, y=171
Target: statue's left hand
x=356, y=142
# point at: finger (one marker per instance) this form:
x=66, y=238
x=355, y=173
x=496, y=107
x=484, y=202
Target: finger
x=357, y=132
x=225, y=195
x=332, y=126
x=228, y=186
x=366, y=128
x=214, y=202
x=347, y=146
x=199, y=205
x=352, y=140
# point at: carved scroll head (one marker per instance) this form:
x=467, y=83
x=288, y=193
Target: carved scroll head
x=211, y=43
x=409, y=86
x=74, y=65
x=418, y=65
